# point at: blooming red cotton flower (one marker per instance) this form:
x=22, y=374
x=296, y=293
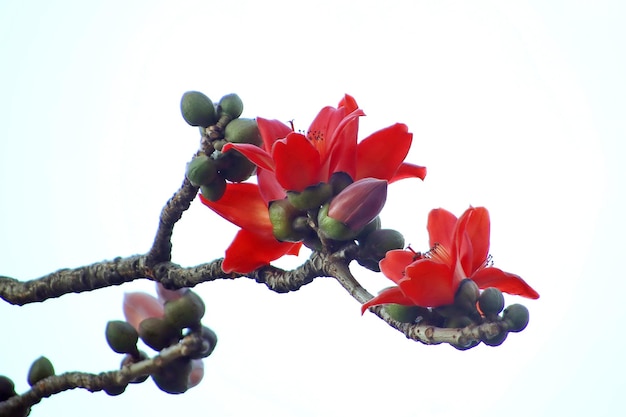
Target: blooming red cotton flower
x=459, y=250
x=298, y=161
x=254, y=245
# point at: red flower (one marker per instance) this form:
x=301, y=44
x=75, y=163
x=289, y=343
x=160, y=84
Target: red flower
x=254, y=245
x=459, y=250
x=330, y=146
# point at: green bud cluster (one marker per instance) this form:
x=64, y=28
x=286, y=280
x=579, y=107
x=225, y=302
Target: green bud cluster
x=219, y=124
x=471, y=307
x=182, y=316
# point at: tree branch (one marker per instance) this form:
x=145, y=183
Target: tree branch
x=161, y=250
x=121, y=270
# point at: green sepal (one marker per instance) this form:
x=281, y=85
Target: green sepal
x=334, y=229
x=311, y=197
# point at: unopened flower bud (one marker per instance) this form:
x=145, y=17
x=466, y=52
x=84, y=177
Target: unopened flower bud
x=231, y=106
x=115, y=390
x=496, y=340
x=402, y=313
x=186, y=311
x=282, y=216
x=379, y=242
x=7, y=388
x=311, y=197
x=516, y=316
x=455, y=322
x=243, y=131
x=158, y=333
x=210, y=338
x=173, y=378
x=40, y=369
x=201, y=170
x=466, y=296
x=235, y=167
x=359, y=203
x=215, y=190
x=339, y=181
x=121, y=336
x=197, y=109
x=491, y=301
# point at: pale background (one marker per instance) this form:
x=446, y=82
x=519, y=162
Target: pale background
x=517, y=106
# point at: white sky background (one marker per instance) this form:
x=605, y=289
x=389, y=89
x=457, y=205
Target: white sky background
x=517, y=106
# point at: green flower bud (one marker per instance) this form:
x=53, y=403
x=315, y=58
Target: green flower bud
x=243, y=131
x=339, y=181
x=516, y=316
x=496, y=340
x=467, y=295
x=132, y=359
x=173, y=378
x=121, y=336
x=40, y=369
x=7, y=388
x=210, y=338
x=158, y=333
x=282, y=215
x=230, y=105
x=465, y=345
x=311, y=197
x=186, y=311
x=197, y=109
x=215, y=190
x=201, y=170
x=379, y=242
x=368, y=263
x=312, y=242
x=455, y=322
x=403, y=314
x=334, y=229
x=235, y=167
x=491, y=301
x=115, y=390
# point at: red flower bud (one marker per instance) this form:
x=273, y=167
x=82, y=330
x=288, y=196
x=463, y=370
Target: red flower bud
x=359, y=203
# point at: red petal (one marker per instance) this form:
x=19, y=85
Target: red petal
x=297, y=162
x=429, y=284
x=243, y=205
x=268, y=185
x=271, y=131
x=441, y=224
x=349, y=103
x=472, y=238
x=389, y=296
x=250, y=251
x=380, y=154
x=395, y=262
x=256, y=155
x=504, y=281
x=342, y=145
x=406, y=170
x=138, y=306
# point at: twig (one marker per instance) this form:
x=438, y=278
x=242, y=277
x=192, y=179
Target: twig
x=188, y=346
